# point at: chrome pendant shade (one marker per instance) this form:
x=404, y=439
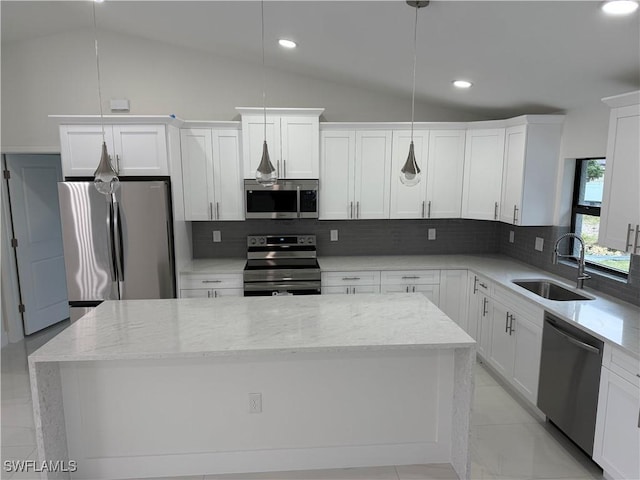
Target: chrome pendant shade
x=105, y=179
x=410, y=172
x=266, y=173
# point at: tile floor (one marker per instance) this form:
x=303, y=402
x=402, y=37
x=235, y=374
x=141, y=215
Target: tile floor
x=507, y=441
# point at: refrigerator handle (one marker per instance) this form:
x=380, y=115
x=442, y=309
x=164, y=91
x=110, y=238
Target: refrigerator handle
x=119, y=242
x=111, y=241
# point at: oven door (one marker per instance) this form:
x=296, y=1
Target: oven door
x=264, y=289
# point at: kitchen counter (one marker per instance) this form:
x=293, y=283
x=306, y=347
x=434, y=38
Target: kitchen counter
x=358, y=380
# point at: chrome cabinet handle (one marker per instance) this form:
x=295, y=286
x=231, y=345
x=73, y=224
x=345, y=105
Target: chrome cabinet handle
x=117, y=228
x=515, y=215
x=210, y=210
x=485, y=304
x=423, y=209
x=215, y=294
x=414, y=289
x=628, y=243
x=217, y=210
x=350, y=278
x=475, y=284
x=495, y=211
x=353, y=290
x=511, y=329
x=117, y=164
x=298, y=200
x=429, y=209
x=211, y=281
x=506, y=324
x=358, y=209
x=284, y=168
x=111, y=243
x=412, y=277
x=350, y=209
x=482, y=285
x=208, y=293
x=635, y=243
x=407, y=288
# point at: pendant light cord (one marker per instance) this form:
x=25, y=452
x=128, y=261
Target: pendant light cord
x=413, y=92
x=95, y=37
x=264, y=75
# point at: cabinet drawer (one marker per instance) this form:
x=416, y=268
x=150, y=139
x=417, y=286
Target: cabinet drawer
x=209, y=281
x=211, y=292
x=519, y=305
x=411, y=277
x=622, y=363
x=350, y=278
x=480, y=284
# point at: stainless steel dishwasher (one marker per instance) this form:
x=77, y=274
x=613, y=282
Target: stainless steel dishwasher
x=570, y=379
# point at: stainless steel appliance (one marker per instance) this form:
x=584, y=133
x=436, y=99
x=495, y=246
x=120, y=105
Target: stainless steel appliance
x=570, y=380
x=285, y=199
x=116, y=248
x=281, y=265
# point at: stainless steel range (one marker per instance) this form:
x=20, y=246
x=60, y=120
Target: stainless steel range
x=281, y=265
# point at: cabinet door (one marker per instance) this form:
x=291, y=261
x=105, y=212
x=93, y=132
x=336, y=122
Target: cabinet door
x=432, y=292
x=81, y=148
x=373, y=166
x=485, y=325
x=502, y=344
x=453, y=296
x=197, y=173
x=526, y=367
x=617, y=436
x=350, y=289
x=141, y=149
x=620, y=214
x=195, y=293
x=227, y=179
x=445, y=173
x=252, y=140
x=482, y=185
x=512, y=178
x=408, y=202
x=337, y=169
x=357, y=289
x=300, y=147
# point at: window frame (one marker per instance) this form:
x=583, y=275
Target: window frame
x=590, y=210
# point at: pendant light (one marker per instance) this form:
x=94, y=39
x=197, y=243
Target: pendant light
x=266, y=174
x=105, y=178
x=410, y=172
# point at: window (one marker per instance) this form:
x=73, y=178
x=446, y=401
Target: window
x=587, y=199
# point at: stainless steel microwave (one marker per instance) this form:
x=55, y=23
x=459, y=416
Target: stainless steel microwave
x=285, y=199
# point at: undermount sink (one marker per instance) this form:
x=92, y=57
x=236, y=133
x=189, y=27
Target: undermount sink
x=550, y=290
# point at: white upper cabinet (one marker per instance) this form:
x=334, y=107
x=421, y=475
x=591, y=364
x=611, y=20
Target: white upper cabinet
x=292, y=139
x=444, y=173
x=373, y=167
x=408, y=202
x=337, y=171
x=211, y=174
x=482, y=184
x=139, y=150
x=620, y=213
x=531, y=157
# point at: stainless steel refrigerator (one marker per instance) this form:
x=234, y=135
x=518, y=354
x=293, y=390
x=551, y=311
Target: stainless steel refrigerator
x=116, y=247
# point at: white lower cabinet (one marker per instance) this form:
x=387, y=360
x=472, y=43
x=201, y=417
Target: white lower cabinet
x=426, y=282
x=454, y=296
x=204, y=285
x=350, y=283
x=617, y=438
x=479, y=311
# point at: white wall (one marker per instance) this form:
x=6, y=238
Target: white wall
x=56, y=75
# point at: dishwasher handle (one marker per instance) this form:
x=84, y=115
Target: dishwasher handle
x=578, y=343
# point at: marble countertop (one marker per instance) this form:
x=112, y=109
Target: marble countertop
x=187, y=328
x=606, y=317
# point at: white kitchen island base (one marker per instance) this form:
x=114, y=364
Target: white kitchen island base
x=379, y=395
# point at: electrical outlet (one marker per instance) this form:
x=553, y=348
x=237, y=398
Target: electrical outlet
x=539, y=244
x=512, y=236
x=334, y=235
x=216, y=236
x=431, y=234
x=255, y=403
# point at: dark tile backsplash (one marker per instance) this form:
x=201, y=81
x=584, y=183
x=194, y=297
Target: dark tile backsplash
x=409, y=237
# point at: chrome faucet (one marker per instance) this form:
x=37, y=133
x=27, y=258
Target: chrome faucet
x=581, y=275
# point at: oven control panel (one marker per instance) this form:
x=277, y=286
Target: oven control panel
x=280, y=240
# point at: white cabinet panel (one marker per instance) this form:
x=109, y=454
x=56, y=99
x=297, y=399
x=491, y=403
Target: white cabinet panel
x=300, y=147
x=373, y=166
x=432, y=292
x=142, y=149
x=227, y=176
x=253, y=136
x=408, y=202
x=513, y=174
x=211, y=281
x=350, y=289
x=502, y=353
x=528, y=346
x=410, y=277
x=454, y=296
x=197, y=173
x=211, y=293
x=620, y=214
x=81, y=147
x=617, y=436
x=445, y=173
x=366, y=277
x=337, y=170
x=482, y=185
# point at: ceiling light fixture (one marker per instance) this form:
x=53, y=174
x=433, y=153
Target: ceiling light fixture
x=620, y=7
x=410, y=172
x=287, y=43
x=462, y=84
x=105, y=178
x=266, y=174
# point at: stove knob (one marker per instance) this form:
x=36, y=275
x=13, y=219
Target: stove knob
x=262, y=241
x=253, y=241
x=301, y=240
x=310, y=240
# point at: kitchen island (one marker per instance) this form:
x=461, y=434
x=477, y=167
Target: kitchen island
x=193, y=386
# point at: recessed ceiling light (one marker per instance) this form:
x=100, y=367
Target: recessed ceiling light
x=620, y=7
x=462, y=84
x=287, y=43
